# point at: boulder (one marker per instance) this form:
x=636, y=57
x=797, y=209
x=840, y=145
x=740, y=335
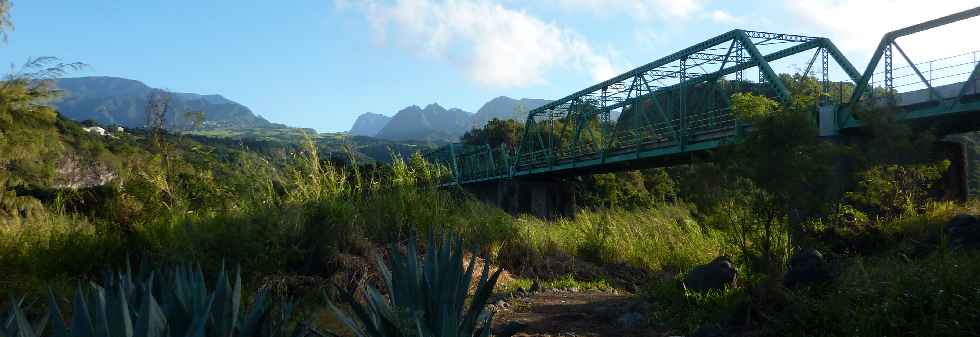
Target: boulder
x=963, y=231
x=807, y=267
x=714, y=275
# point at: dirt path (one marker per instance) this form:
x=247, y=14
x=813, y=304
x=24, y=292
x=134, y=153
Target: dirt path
x=569, y=313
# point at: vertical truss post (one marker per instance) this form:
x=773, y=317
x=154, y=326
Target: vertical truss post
x=889, y=84
x=739, y=56
x=493, y=164
x=681, y=88
x=825, y=75
x=452, y=154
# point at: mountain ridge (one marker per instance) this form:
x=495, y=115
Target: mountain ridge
x=116, y=100
x=436, y=123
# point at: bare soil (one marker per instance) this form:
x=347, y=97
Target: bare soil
x=567, y=313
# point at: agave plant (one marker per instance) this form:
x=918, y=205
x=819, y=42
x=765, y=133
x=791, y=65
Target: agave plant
x=124, y=307
x=424, y=299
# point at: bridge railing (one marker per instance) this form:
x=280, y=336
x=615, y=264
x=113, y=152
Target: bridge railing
x=940, y=78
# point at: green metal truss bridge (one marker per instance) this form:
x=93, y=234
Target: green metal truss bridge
x=664, y=112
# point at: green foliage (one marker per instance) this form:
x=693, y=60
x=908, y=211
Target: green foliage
x=892, y=296
x=5, y=23
x=776, y=179
x=688, y=310
x=127, y=305
x=569, y=282
x=426, y=299
x=896, y=190
x=496, y=133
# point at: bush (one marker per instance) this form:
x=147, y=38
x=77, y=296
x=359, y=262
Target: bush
x=892, y=296
x=688, y=310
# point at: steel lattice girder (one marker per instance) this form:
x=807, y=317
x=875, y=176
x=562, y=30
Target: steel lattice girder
x=584, y=138
x=578, y=127
x=540, y=146
x=844, y=115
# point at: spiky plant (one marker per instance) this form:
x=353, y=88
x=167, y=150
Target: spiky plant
x=424, y=299
x=128, y=307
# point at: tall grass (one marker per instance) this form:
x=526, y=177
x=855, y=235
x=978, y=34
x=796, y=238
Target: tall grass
x=293, y=215
x=663, y=237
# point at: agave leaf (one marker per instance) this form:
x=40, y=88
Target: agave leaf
x=58, y=327
x=81, y=322
x=412, y=271
x=151, y=321
x=236, y=300
x=197, y=328
x=119, y=320
x=368, y=323
x=353, y=326
x=477, y=306
x=21, y=326
x=97, y=302
x=224, y=316
x=257, y=316
x=384, y=314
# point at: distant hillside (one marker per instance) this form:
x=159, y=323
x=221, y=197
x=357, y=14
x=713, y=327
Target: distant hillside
x=430, y=124
x=504, y=107
x=113, y=100
x=435, y=123
x=369, y=124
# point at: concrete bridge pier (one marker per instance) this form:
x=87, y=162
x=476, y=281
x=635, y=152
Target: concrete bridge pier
x=954, y=183
x=543, y=198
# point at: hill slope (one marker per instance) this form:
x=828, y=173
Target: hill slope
x=113, y=100
x=369, y=124
x=504, y=107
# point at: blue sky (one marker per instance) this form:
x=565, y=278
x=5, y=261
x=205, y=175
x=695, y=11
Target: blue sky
x=321, y=63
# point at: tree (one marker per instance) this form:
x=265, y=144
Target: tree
x=781, y=171
x=157, y=105
x=5, y=23
x=29, y=141
x=196, y=118
x=497, y=132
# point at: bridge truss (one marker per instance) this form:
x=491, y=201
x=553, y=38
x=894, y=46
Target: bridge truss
x=678, y=105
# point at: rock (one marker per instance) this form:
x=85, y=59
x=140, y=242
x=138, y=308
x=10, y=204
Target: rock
x=963, y=231
x=807, y=267
x=713, y=275
x=630, y=320
x=510, y=329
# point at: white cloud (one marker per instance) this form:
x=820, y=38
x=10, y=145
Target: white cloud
x=494, y=45
x=669, y=10
x=856, y=26
x=723, y=17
